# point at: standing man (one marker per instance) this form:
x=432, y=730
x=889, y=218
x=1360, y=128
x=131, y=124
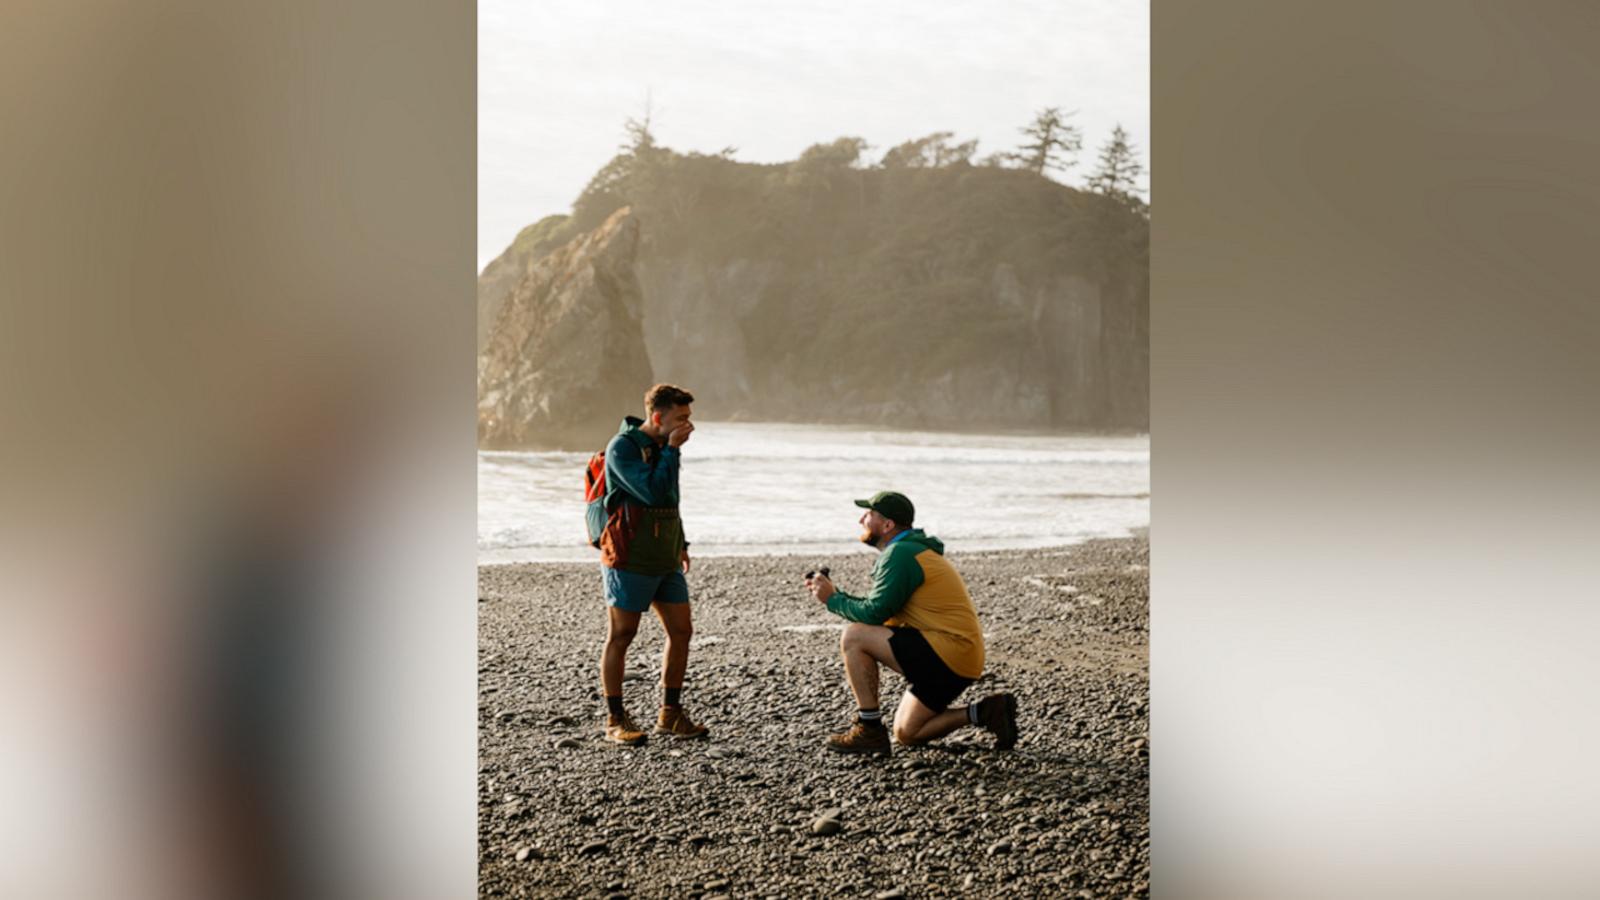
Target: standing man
x=644, y=557
x=917, y=619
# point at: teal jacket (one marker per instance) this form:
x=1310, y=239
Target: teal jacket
x=645, y=532
x=640, y=468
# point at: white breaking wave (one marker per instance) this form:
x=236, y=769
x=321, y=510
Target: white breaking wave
x=750, y=487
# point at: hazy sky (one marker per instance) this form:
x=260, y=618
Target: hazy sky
x=556, y=80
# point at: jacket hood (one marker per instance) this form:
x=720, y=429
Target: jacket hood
x=917, y=536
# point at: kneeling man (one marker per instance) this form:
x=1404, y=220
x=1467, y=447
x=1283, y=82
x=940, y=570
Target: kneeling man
x=917, y=619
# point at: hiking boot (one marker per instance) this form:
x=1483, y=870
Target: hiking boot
x=998, y=714
x=622, y=730
x=675, y=722
x=863, y=737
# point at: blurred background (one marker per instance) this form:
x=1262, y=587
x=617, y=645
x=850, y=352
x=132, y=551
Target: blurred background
x=236, y=587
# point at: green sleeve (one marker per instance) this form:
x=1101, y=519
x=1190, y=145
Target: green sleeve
x=896, y=576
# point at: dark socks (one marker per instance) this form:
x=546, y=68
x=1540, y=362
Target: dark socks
x=672, y=696
x=614, y=706
x=870, y=716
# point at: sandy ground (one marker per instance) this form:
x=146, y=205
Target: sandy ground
x=1066, y=813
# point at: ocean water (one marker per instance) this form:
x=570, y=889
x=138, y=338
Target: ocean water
x=752, y=488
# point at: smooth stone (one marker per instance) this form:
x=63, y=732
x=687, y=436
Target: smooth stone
x=593, y=847
x=826, y=827
x=568, y=743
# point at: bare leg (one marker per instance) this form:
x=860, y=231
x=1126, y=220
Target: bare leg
x=621, y=626
x=915, y=723
x=863, y=648
x=676, y=622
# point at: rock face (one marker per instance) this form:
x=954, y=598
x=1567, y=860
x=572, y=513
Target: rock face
x=1057, y=353
x=961, y=298
x=502, y=275
x=565, y=357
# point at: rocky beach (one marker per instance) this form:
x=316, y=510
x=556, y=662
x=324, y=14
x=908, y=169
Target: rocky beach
x=761, y=809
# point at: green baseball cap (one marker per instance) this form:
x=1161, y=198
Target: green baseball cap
x=891, y=505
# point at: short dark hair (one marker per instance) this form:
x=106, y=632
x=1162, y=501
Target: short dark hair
x=662, y=397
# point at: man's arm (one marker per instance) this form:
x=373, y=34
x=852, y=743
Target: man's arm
x=649, y=485
x=898, y=576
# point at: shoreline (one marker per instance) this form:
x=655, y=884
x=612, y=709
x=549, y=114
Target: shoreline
x=562, y=813
x=848, y=548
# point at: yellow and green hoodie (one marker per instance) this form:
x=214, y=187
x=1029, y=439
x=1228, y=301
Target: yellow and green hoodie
x=914, y=586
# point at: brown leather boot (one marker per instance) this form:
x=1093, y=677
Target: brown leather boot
x=998, y=714
x=622, y=730
x=863, y=737
x=674, y=722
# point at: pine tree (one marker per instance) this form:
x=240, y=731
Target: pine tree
x=1119, y=170
x=1052, y=142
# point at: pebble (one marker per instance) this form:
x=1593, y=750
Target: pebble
x=824, y=827
x=568, y=743
x=891, y=894
x=666, y=811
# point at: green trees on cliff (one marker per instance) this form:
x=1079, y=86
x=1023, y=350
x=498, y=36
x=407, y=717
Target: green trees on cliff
x=845, y=247
x=830, y=179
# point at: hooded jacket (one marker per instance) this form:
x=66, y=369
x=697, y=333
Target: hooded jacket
x=645, y=534
x=914, y=586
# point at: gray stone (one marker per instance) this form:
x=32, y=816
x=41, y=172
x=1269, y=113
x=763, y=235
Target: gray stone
x=538, y=384
x=824, y=827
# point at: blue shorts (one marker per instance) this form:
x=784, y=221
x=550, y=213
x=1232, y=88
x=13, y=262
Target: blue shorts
x=634, y=593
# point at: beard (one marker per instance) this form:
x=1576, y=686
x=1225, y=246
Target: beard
x=870, y=539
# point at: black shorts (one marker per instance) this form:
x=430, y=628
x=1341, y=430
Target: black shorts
x=931, y=680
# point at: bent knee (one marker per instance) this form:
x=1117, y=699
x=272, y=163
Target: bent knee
x=905, y=736
x=854, y=635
